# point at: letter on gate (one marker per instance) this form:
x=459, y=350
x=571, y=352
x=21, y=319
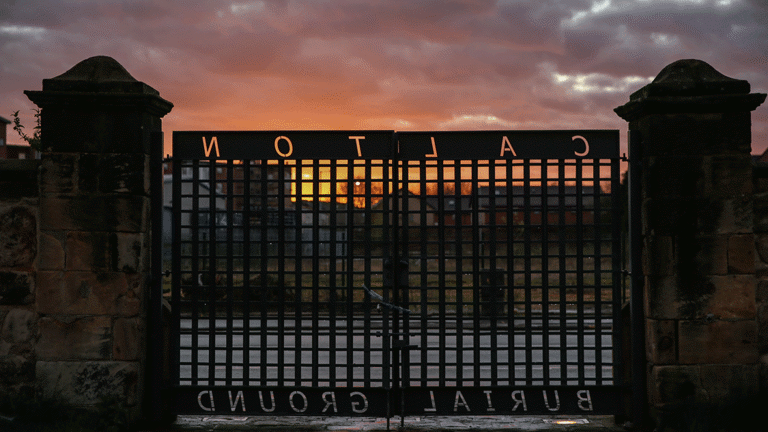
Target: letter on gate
x=210, y=398
x=356, y=405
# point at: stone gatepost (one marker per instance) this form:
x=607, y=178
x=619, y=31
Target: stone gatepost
x=94, y=246
x=693, y=126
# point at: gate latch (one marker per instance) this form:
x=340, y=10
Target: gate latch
x=401, y=344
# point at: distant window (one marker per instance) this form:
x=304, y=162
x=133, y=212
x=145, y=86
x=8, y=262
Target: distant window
x=2, y=141
x=22, y=156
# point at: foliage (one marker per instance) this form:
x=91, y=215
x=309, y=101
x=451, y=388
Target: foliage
x=34, y=140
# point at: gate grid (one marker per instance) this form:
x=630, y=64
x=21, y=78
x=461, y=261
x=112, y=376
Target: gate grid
x=377, y=273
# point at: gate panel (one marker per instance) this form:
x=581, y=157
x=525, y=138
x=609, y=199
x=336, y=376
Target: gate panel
x=514, y=277
x=268, y=260
x=499, y=277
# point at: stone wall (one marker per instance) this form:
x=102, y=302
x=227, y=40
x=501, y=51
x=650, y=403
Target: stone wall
x=75, y=242
x=19, y=222
x=698, y=235
x=75, y=235
x=761, y=268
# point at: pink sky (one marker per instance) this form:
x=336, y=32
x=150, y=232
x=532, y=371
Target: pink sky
x=385, y=64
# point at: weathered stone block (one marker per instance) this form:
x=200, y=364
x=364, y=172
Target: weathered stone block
x=674, y=176
x=710, y=253
x=16, y=369
x=128, y=339
x=762, y=327
x=95, y=213
x=18, y=236
x=16, y=288
x=86, y=383
x=84, y=338
x=729, y=383
x=667, y=216
x=731, y=176
x=661, y=343
x=660, y=297
x=58, y=173
x=129, y=253
x=90, y=251
x=114, y=173
x=733, y=297
x=659, y=255
x=88, y=293
x=717, y=342
x=761, y=247
x=19, y=326
x=52, y=256
x=761, y=212
x=735, y=217
x=700, y=134
x=100, y=129
x=741, y=254
x=675, y=384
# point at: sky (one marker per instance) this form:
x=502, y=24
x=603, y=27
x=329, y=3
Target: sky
x=434, y=65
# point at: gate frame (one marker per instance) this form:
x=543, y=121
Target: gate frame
x=157, y=309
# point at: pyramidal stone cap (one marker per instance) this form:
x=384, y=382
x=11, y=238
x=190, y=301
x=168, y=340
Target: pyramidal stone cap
x=98, y=74
x=691, y=78
x=101, y=77
x=690, y=86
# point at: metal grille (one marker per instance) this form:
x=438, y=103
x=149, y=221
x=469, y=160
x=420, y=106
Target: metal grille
x=514, y=271
x=494, y=276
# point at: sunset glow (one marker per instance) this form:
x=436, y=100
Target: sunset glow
x=392, y=65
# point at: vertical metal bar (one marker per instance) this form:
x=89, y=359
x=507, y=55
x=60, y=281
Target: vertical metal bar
x=332, y=285
x=349, y=275
x=511, y=273
x=563, y=231
x=423, y=290
x=264, y=274
x=176, y=281
x=210, y=284
x=475, y=238
x=617, y=279
x=316, y=284
x=230, y=202
x=597, y=228
x=442, y=215
x=247, y=215
x=367, y=246
x=497, y=297
x=545, y=270
x=399, y=228
x=298, y=252
x=459, y=272
x=637, y=282
x=282, y=218
x=156, y=376
x=194, y=287
x=528, y=227
x=580, y=210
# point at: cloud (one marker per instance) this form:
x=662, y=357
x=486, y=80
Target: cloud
x=416, y=64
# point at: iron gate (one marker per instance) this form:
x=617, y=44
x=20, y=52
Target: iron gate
x=377, y=273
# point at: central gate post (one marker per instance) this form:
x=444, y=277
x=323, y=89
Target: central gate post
x=693, y=125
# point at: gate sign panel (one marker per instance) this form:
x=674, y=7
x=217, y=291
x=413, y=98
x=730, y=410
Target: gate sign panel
x=283, y=145
x=590, y=144
x=381, y=273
